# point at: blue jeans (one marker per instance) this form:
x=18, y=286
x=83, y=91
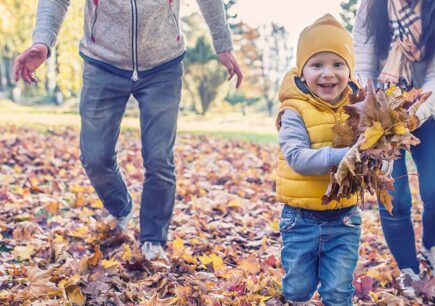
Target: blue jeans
x=103, y=101
x=317, y=251
x=398, y=229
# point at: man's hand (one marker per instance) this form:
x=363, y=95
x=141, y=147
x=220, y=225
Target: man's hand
x=227, y=59
x=28, y=61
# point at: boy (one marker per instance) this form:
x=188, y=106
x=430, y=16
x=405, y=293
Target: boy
x=320, y=242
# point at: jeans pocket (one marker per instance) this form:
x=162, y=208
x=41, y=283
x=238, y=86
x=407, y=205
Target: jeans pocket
x=286, y=224
x=353, y=220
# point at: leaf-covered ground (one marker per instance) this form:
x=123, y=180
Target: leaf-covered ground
x=57, y=245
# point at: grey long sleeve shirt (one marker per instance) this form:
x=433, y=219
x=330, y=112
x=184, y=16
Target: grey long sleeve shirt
x=296, y=148
x=131, y=35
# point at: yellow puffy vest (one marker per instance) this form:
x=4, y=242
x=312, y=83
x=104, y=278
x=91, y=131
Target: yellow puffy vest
x=319, y=117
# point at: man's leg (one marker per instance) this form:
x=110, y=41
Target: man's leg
x=158, y=96
x=103, y=101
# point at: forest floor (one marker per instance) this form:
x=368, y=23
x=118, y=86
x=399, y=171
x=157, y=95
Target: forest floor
x=57, y=245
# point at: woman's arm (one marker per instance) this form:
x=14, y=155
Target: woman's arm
x=427, y=109
x=366, y=61
x=296, y=148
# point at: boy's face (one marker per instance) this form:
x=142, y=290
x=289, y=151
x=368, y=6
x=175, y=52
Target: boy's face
x=326, y=75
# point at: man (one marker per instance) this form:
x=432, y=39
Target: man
x=130, y=47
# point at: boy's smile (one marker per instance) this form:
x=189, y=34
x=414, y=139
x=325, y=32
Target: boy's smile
x=326, y=75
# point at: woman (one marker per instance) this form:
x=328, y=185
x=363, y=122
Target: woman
x=394, y=43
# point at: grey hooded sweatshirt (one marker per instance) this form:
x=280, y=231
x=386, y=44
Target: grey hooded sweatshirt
x=132, y=38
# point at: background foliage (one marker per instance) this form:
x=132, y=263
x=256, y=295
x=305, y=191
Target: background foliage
x=263, y=53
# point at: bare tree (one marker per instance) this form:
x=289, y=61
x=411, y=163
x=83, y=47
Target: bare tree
x=275, y=60
x=348, y=13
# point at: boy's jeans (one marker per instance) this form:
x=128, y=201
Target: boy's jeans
x=103, y=102
x=316, y=251
x=398, y=228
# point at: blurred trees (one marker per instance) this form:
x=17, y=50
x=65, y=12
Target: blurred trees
x=15, y=31
x=203, y=75
x=263, y=54
x=275, y=60
x=62, y=71
x=348, y=13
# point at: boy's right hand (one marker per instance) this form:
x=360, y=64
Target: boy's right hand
x=28, y=61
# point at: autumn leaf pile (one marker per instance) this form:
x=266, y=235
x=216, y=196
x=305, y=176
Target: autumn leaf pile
x=376, y=130
x=58, y=247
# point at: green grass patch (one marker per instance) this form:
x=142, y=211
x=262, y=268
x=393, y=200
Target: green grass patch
x=237, y=135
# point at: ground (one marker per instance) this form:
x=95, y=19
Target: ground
x=57, y=245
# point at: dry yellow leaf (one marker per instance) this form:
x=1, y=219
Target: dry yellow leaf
x=275, y=225
x=234, y=204
x=218, y=263
x=52, y=207
x=372, y=135
x=79, y=200
x=71, y=281
x=79, y=232
x=109, y=263
x=399, y=129
x=126, y=253
x=213, y=259
x=23, y=252
x=75, y=295
x=178, y=246
x=205, y=260
x=77, y=189
x=189, y=258
x=97, y=204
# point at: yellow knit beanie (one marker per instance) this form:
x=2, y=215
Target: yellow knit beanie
x=325, y=34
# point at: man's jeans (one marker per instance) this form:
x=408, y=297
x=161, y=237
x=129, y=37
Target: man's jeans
x=102, y=106
x=398, y=228
x=317, y=251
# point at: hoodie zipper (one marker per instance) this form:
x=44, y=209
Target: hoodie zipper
x=174, y=20
x=94, y=22
x=135, y=75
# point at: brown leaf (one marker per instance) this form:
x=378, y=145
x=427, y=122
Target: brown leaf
x=95, y=259
x=344, y=136
x=40, y=284
x=250, y=264
x=426, y=287
x=386, y=199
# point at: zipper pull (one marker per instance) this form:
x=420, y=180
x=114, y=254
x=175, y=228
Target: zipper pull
x=135, y=76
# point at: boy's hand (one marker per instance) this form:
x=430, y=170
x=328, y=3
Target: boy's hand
x=28, y=61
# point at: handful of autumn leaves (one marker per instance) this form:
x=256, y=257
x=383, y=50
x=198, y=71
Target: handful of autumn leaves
x=377, y=129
